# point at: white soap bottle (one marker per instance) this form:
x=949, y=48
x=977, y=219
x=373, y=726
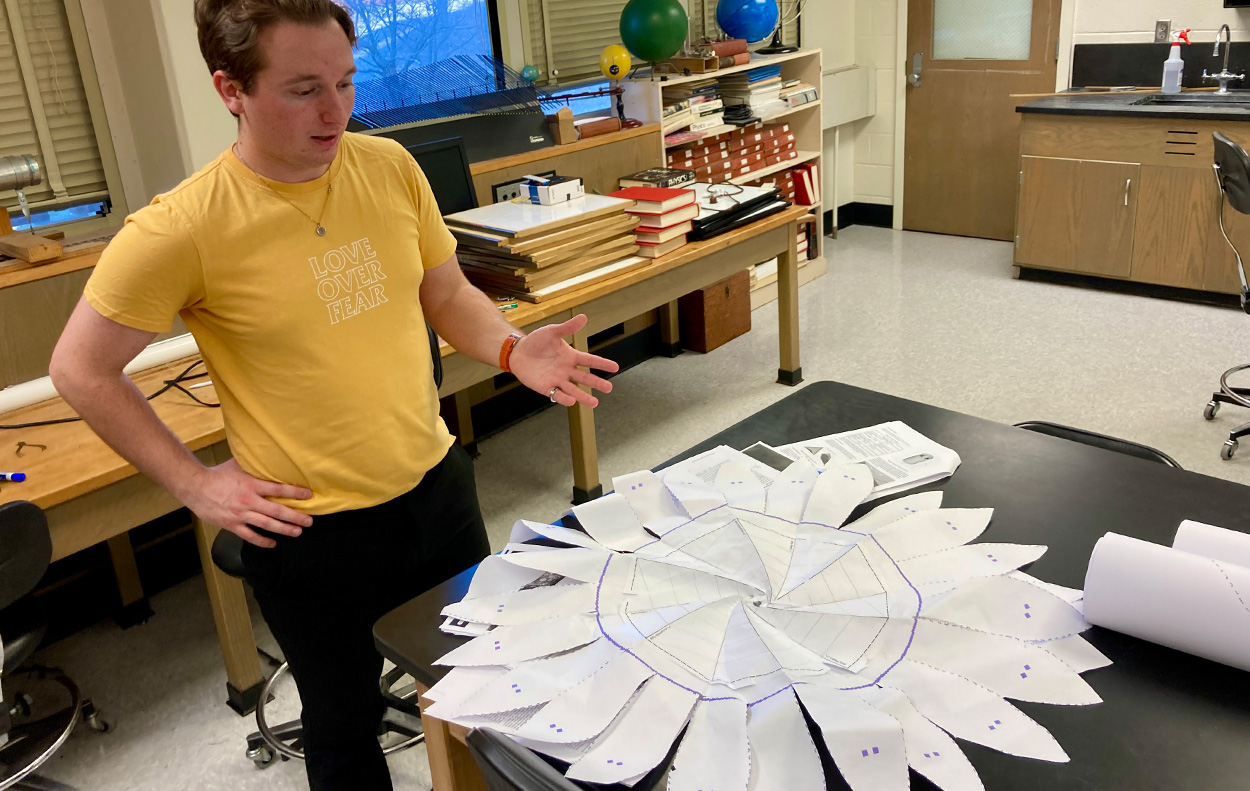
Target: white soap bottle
x=1174, y=67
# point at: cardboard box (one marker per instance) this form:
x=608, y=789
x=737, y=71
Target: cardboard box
x=715, y=315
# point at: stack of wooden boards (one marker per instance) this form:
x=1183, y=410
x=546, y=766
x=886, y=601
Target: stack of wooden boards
x=736, y=153
x=535, y=253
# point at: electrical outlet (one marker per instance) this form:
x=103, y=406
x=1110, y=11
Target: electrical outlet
x=510, y=190
x=1163, y=31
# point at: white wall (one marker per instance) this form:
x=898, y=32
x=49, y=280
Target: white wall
x=876, y=40
x=1127, y=21
x=206, y=127
x=830, y=25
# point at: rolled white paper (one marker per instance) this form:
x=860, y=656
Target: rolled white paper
x=1178, y=599
x=1213, y=542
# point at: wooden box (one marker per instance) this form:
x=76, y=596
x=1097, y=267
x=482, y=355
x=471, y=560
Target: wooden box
x=715, y=315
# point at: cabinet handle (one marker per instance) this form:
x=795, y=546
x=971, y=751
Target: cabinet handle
x=1127, y=184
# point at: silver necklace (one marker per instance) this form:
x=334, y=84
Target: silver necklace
x=321, y=230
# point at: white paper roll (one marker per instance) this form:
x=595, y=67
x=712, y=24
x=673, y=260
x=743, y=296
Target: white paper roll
x=1170, y=597
x=1213, y=542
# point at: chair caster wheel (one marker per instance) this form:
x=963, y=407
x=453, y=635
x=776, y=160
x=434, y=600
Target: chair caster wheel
x=1211, y=410
x=92, y=718
x=262, y=756
x=1230, y=447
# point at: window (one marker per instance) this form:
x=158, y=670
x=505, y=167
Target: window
x=399, y=35
x=50, y=109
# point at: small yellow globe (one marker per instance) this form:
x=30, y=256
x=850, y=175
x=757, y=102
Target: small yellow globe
x=614, y=62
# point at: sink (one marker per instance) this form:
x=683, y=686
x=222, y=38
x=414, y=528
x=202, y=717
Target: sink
x=1236, y=98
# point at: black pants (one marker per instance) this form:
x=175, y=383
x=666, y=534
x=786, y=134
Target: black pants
x=321, y=593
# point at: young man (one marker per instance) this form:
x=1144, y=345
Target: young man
x=306, y=262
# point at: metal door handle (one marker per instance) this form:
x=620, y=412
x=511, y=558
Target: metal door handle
x=917, y=61
x=1127, y=184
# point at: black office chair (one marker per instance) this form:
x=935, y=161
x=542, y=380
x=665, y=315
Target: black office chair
x=1100, y=441
x=402, y=716
x=507, y=766
x=1232, y=174
x=41, y=705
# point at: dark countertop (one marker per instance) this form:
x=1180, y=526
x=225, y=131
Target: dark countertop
x=1123, y=104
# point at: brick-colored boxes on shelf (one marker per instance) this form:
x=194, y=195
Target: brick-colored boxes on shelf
x=736, y=153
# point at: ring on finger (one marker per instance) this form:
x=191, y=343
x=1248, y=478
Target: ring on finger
x=552, y=394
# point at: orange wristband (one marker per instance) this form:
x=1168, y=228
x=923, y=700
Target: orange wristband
x=505, y=351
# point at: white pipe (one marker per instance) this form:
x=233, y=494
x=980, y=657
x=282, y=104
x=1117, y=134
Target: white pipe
x=154, y=355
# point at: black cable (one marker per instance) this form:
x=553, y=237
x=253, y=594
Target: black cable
x=170, y=384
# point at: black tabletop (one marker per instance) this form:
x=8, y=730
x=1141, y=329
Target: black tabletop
x=1168, y=721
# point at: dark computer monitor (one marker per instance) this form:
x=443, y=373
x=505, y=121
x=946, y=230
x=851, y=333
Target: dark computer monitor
x=446, y=166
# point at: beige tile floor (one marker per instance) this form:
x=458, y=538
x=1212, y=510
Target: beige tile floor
x=932, y=318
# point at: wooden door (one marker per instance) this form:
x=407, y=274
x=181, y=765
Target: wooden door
x=1176, y=219
x=962, y=141
x=1077, y=216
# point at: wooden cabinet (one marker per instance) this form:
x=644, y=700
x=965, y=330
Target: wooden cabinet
x=1077, y=215
x=1127, y=198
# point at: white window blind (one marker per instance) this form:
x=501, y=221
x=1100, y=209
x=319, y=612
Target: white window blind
x=43, y=105
x=578, y=30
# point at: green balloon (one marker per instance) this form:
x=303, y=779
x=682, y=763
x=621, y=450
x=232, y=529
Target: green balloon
x=653, y=30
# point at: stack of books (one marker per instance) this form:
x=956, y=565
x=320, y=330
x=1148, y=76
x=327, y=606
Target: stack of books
x=796, y=93
x=664, y=218
x=675, y=116
x=664, y=178
x=535, y=253
x=758, y=89
x=702, y=98
x=736, y=153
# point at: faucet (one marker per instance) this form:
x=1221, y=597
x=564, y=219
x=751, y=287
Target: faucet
x=1225, y=76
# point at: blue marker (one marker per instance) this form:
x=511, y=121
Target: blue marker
x=12, y=477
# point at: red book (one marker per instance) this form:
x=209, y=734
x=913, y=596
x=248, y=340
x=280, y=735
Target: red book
x=654, y=200
x=652, y=223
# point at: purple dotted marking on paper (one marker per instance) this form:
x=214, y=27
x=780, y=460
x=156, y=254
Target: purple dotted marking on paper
x=992, y=558
x=516, y=687
x=951, y=526
x=618, y=763
x=996, y=723
x=875, y=750
x=558, y=730
x=496, y=645
x=1025, y=675
x=1028, y=614
x=499, y=608
x=635, y=486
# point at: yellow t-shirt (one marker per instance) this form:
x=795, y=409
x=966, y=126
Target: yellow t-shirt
x=316, y=345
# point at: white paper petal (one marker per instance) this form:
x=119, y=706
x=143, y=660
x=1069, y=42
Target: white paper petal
x=788, y=496
x=640, y=738
x=974, y=560
x=531, y=683
x=714, y=753
x=495, y=576
x=930, y=751
x=971, y=712
x=696, y=497
x=583, y=711
x=926, y=532
x=611, y=521
x=580, y=564
x=1076, y=653
x=865, y=743
x=836, y=493
x=525, y=530
x=1010, y=667
x=740, y=486
x=887, y=513
x=1007, y=606
x=650, y=499
x=783, y=757
x=508, y=645
x=536, y=604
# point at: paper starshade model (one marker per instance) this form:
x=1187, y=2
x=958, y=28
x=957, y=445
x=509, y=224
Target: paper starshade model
x=710, y=601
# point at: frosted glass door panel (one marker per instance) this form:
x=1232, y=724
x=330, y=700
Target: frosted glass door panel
x=982, y=29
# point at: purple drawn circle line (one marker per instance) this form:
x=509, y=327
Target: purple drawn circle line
x=910, y=638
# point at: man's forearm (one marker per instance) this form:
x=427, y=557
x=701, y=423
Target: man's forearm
x=116, y=410
x=470, y=321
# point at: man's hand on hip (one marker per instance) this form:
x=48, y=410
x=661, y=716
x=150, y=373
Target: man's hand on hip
x=228, y=497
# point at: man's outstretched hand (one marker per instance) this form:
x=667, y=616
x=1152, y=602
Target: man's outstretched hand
x=543, y=361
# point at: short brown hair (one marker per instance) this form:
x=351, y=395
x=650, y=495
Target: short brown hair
x=230, y=30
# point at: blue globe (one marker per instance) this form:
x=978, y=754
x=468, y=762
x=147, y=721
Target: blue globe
x=753, y=20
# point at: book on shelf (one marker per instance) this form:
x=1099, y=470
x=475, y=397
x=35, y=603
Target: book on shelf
x=708, y=122
x=654, y=200
x=664, y=234
x=663, y=178
x=683, y=136
x=707, y=106
x=673, y=108
x=663, y=248
x=653, y=223
x=677, y=121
